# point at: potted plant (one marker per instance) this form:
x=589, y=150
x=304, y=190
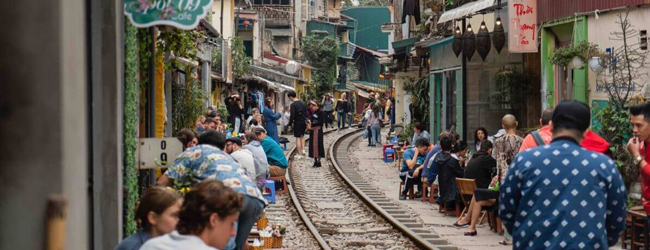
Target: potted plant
x=574, y=55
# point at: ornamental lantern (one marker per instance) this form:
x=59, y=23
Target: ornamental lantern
x=469, y=43
x=457, y=44
x=246, y=22
x=498, y=36
x=483, y=42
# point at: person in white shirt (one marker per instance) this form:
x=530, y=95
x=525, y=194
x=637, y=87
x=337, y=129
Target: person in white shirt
x=242, y=156
x=259, y=156
x=206, y=219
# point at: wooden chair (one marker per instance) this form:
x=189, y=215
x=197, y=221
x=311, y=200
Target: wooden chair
x=432, y=195
x=639, y=233
x=411, y=192
x=466, y=188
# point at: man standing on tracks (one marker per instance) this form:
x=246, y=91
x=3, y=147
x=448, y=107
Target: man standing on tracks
x=298, y=121
x=412, y=166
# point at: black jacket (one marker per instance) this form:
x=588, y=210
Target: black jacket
x=480, y=168
x=448, y=170
x=411, y=8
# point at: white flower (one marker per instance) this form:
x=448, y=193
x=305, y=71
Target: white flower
x=204, y=166
x=224, y=168
x=195, y=154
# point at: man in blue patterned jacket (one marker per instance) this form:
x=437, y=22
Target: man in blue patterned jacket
x=562, y=196
x=209, y=161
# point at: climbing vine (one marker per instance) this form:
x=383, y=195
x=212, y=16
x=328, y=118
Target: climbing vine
x=322, y=53
x=130, y=127
x=187, y=102
x=179, y=43
x=240, y=61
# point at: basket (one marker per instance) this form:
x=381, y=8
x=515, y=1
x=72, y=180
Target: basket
x=256, y=248
x=262, y=223
x=268, y=242
x=277, y=242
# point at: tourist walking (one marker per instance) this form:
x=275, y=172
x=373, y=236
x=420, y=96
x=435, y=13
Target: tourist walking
x=541, y=136
x=351, y=110
x=235, y=109
x=285, y=119
x=505, y=148
x=298, y=121
x=341, y=111
x=327, y=105
x=316, y=147
x=155, y=215
x=375, y=125
x=562, y=196
x=270, y=120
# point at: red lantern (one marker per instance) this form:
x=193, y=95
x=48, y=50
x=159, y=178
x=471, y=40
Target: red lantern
x=246, y=23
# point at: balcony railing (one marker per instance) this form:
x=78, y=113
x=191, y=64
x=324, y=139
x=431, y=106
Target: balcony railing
x=274, y=12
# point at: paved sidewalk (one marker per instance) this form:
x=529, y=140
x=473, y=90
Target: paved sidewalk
x=384, y=176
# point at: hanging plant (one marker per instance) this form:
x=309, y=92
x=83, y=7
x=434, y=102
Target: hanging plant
x=564, y=55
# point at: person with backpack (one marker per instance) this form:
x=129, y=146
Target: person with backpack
x=542, y=136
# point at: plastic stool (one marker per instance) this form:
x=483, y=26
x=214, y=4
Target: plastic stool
x=269, y=191
x=389, y=155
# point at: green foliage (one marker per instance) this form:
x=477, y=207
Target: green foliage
x=514, y=87
x=614, y=126
x=407, y=134
x=187, y=103
x=353, y=72
x=563, y=55
x=217, y=59
x=130, y=127
x=144, y=56
x=322, y=53
x=223, y=112
x=419, y=91
x=240, y=61
x=180, y=43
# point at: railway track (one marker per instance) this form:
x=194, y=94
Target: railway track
x=342, y=211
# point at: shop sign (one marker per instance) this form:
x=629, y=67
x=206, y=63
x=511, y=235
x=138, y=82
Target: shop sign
x=158, y=152
x=522, y=32
x=182, y=14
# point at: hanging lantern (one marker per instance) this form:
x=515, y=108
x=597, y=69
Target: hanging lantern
x=498, y=36
x=246, y=22
x=469, y=43
x=483, y=43
x=457, y=44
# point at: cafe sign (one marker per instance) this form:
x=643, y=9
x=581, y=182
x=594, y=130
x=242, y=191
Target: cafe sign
x=522, y=31
x=182, y=14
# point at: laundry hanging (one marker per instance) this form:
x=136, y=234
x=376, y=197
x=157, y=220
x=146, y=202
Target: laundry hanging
x=411, y=8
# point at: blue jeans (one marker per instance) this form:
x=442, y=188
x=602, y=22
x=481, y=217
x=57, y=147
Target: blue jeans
x=249, y=213
x=350, y=119
x=341, y=119
x=376, y=134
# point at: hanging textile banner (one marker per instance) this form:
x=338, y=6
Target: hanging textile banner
x=182, y=14
x=522, y=31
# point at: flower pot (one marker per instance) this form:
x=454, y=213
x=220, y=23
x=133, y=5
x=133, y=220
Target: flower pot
x=576, y=63
x=595, y=63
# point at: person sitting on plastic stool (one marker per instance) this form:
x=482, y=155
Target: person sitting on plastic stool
x=412, y=165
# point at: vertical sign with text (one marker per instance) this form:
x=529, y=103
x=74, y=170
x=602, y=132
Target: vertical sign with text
x=522, y=32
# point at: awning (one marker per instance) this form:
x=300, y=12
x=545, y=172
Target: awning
x=363, y=94
x=280, y=32
x=465, y=10
x=274, y=85
x=374, y=53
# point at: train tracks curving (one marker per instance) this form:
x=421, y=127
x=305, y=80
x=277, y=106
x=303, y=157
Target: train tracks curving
x=343, y=211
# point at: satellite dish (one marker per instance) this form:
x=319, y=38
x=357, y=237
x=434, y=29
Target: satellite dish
x=292, y=67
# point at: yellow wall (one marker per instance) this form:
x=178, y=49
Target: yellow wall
x=160, y=97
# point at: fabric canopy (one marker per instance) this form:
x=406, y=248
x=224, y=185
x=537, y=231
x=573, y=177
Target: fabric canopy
x=465, y=10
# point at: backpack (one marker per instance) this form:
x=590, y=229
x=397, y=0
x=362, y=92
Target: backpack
x=538, y=138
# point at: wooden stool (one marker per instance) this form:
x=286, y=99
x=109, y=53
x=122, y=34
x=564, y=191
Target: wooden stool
x=284, y=184
x=432, y=195
x=639, y=230
x=411, y=192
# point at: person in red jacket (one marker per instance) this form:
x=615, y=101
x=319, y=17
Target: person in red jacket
x=591, y=141
x=638, y=148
